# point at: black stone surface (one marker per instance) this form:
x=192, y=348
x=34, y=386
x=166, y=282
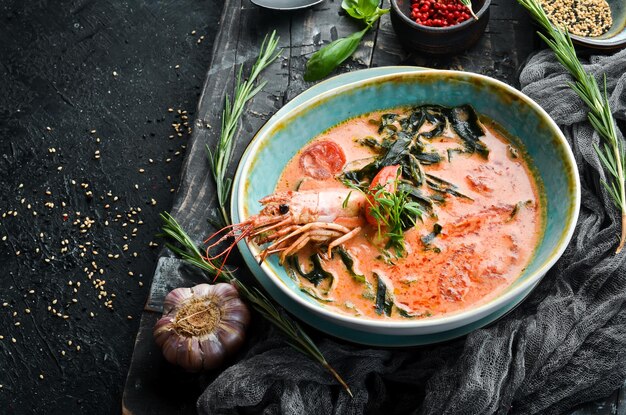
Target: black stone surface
x=67, y=68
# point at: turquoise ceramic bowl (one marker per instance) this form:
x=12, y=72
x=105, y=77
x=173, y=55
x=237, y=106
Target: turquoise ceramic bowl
x=356, y=93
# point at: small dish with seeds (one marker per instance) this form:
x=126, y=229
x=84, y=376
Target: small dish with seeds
x=596, y=24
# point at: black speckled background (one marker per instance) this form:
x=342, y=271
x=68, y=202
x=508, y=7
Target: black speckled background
x=67, y=68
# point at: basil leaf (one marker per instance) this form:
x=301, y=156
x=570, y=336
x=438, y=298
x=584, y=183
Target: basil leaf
x=360, y=9
x=332, y=55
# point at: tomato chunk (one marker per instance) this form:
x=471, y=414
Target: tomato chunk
x=386, y=178
x=322, y=160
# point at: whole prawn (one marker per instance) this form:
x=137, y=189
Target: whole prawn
x=290, y=220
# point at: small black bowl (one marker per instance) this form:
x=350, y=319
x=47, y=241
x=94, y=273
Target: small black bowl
x=438, y=40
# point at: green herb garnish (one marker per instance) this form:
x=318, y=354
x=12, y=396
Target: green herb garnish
x=185, y=248
x=317, y=273
x=428, y=239
x=395, y=212
x=348, y=261
x=219, y=159
x=384, y=299
x=517, y=208
x=585, y=85
x=314, y=294
x=332, y=55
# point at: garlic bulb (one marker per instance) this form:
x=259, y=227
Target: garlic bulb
x=201, y=326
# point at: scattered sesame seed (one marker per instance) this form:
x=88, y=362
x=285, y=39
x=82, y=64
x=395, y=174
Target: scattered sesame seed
x=114, y=73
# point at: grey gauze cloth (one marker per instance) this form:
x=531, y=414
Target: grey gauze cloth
x=566, y=344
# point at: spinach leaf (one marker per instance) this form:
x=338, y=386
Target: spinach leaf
x=414, y=122
x=312, y=293
x=384, y=301
x=385, y=122
x=427, y=240
x=316, y=275
x=465, y=123
x=443, y=186
x=347, y=260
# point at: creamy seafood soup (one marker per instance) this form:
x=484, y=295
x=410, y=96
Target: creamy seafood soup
x=439, y=212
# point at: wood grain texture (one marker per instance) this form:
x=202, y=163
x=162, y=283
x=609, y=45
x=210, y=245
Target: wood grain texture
x=504, y=47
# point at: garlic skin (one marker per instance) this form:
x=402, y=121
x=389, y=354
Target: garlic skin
x=201, y=326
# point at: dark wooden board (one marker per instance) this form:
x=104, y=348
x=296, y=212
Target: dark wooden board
x=506, y=44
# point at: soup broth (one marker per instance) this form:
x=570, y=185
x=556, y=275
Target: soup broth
x=478, y=237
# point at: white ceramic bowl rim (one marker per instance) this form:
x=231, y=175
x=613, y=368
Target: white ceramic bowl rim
x=469, y=314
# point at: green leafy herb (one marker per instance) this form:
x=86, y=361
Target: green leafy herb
x=219, y=159
x=444, y=186
x=418, y=196
x=386, y=120
x=317, y=273
x=185, y=248
x=465, y=123
x=611, y=153
x=406, y=147
x=428, y=239
x=315, y=295
x=384, y=299
x=348, y=261
x=332, y=55
x=360, y=9
x=346, y=200
x=395, y=212
x=516, y=209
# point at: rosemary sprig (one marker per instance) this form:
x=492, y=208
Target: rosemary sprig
x=611, y=153
x=220, y=158
x=184, y=247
